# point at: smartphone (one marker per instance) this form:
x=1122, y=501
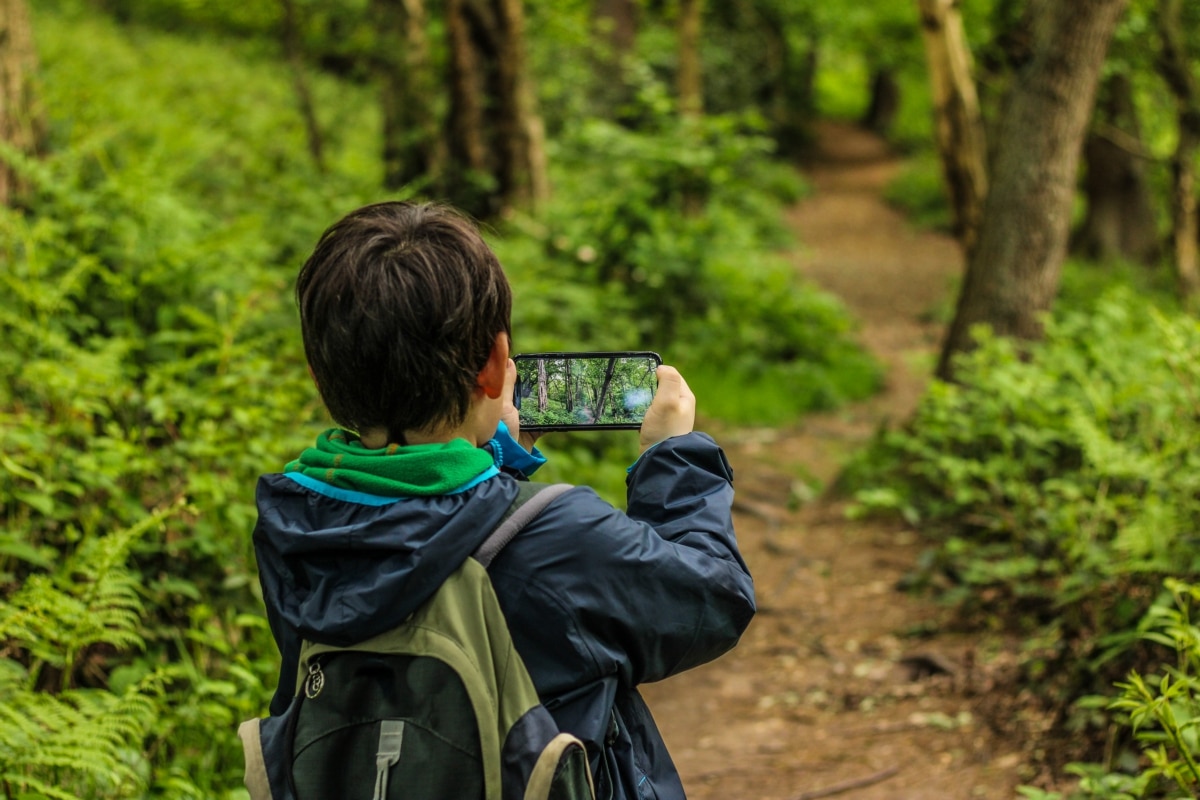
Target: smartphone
x=584, y=391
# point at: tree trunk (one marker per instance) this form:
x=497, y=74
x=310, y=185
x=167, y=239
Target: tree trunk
x=21, y=124
x=402, y=67
x=959, y=124
x=294, y=54
x=615, y=29
x=543, y=397
x=1176, y=69
x=600, y=401
x=495, y=138
x=885, y=101
x=521, y=136
x=1013, y=273
x=688, y=80
x=616, y=22
x=465, y=148
x=1120, y=220
x=570, y=393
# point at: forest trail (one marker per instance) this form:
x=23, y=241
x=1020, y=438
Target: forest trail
x=830, y=691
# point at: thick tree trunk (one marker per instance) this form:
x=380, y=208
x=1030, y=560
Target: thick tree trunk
x=294, y=54
x=885, y=101
x=495, y=138
x=521, y=136
x=1120, y=220
x=688, y=80
x=21, y=124
x=958, y=122
x=1185, y=226
x=403, y=69
x=465, y=146
x=1013, y=274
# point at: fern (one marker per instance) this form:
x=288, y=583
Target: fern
x=92, y=599
x=81, y=743
x=78, y=742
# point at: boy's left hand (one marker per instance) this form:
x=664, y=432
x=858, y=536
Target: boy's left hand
x=508, y=412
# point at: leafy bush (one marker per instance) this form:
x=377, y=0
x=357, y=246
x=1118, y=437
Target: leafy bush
x=1159, y=712
x=1059, y=487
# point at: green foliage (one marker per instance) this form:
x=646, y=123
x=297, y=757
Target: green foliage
x=59, y=741
x=673, y=229
x=150, y=356
x=1084, y=446
x=1164, y=714
x=1057, y=484
x=1159, y=710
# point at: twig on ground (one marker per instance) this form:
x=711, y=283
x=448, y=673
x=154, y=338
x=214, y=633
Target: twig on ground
x=846, y=786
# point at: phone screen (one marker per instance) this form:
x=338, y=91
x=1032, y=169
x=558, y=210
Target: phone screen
x=584, y=391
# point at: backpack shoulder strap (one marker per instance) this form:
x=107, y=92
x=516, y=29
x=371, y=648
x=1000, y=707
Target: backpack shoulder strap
x=532, y=499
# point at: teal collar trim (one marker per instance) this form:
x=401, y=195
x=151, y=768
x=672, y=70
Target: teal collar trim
x=364, y=499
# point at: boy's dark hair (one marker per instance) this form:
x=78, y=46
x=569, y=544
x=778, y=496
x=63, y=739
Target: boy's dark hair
x=400, y=304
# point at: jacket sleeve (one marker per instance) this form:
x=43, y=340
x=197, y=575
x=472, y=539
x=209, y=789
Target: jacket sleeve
x=647, y=593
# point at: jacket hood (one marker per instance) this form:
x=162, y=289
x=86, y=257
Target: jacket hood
x=340, y=567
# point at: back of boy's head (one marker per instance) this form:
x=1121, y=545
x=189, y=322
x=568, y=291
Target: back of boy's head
x=400, y=305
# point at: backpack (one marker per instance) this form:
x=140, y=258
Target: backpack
x=439, y=708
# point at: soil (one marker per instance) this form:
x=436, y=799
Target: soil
x=843, y=684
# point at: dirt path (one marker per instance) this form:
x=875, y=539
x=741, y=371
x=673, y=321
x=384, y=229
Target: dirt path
x=830, y=688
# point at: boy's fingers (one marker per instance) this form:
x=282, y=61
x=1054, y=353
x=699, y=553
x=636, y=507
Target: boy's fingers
x=673, y=387
x=669, y=380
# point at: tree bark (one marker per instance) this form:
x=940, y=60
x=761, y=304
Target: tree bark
x=1120, y=221
x=21, y=124
x=1013, y=273
x=464, y=134
x=600, y=401
x=495, y=137
x=1185, y=225
x=958, y=121
x=570, y=389
x=543, y=397
x=688, y=80
x=402, y=67
x=521, y=136
x=294, y=54
x=885, y=101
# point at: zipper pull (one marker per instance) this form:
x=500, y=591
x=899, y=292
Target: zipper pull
x=315, y=681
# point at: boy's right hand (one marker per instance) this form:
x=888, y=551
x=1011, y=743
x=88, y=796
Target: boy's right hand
x=673, y=411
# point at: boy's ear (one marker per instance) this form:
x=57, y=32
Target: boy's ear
x=491, y=377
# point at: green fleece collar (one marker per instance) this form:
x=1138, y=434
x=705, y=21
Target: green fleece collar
x=339, y=459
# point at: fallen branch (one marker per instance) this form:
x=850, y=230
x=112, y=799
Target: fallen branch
x=846, y=786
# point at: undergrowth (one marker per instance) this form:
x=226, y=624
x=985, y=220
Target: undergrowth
x=1057, y=488
x=151, y=367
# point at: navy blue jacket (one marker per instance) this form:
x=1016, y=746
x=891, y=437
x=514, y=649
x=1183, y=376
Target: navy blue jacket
x=598, y=601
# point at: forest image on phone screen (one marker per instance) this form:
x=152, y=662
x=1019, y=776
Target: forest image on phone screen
x=578, y=390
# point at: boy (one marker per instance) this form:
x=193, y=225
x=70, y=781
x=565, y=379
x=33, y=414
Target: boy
x=404, y=312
